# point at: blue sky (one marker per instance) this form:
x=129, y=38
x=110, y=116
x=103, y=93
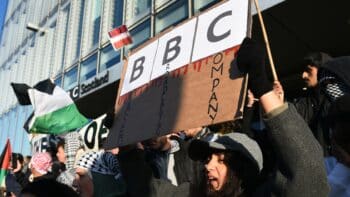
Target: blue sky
x=3, y=5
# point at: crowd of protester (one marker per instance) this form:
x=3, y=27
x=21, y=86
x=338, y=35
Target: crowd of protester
x=302, y=147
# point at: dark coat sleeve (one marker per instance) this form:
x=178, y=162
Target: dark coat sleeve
x=300, y=155
x=22, y=179
x=140, y=181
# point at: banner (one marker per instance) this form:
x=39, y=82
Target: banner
x=184, y=78
x=94, y=133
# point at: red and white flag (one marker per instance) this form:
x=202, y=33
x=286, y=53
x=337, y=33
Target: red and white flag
x=119, y=37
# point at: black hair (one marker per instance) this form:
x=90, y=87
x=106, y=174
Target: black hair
x=242, y=177
x=17, y=156
x=316, y=59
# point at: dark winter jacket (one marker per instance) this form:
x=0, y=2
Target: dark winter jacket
x=314, y=109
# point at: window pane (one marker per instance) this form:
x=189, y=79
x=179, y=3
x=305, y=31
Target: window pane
x=200, y=5
x=58, y=81
x=140, y=34
x=26, y=147
x=136, y=10
x=19, y=130
x=109, y=58
x=88, y=68
x=171, y=15
x=96, y=20
x=5, y=127
x=118, y=13
x=79, y=30
x=12, y=116
x=159, y=3
x=2, y=132
x=70, y=78
x=92, y=21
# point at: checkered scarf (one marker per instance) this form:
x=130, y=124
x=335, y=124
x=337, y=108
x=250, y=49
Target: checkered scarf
x=332, y=86
x=72, y=143
x=100, y=162
x=67, y=177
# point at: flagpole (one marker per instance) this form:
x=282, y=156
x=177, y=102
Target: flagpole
x=273, y=69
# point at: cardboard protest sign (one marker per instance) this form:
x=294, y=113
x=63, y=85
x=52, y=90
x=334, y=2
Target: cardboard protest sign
x=94, y=133
x=163, y=90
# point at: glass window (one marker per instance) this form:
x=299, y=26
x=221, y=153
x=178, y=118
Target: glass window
x=96, y=20
x=139, y=34
x=159, y=3
x=88, y=68
x=171, y=15
x=5, y=127
x=118, y=13
x=58, y=81
x=2, y=136
x=200, y=5
x=108, y=58
x=66, y=15
x=136, y=10
x=80, y=29
x=12, y=126
x=92, y=25
x=26, y=147
x=70, y=78
x=19, y=130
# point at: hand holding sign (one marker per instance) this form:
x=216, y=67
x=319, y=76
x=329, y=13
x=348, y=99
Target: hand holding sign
x=251, y=60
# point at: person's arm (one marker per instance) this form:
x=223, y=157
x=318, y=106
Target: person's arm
x=298, y=151
x=301, y=155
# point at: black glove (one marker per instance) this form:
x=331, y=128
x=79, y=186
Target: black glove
x=251, y=60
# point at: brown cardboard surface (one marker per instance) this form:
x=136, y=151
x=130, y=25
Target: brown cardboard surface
x=197, y=94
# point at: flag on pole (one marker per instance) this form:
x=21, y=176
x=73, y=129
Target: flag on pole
x=21, y=90
x=21, y=93
x=5, y=162
x=54, y=110
x=119, y=37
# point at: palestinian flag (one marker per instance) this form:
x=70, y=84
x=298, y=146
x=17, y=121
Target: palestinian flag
x=5, y=162
x=54, y=110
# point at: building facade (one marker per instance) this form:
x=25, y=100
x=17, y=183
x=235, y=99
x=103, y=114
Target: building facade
x=66, y=40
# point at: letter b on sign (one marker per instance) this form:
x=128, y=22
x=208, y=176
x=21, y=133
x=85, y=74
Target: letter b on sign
x=138, y=67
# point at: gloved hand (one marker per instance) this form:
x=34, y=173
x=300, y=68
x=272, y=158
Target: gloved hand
x=251, y=60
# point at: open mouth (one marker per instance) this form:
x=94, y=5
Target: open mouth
x=212, y=180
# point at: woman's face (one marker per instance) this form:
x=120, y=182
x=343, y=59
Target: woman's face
x=216, y=171
x=61, y=156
